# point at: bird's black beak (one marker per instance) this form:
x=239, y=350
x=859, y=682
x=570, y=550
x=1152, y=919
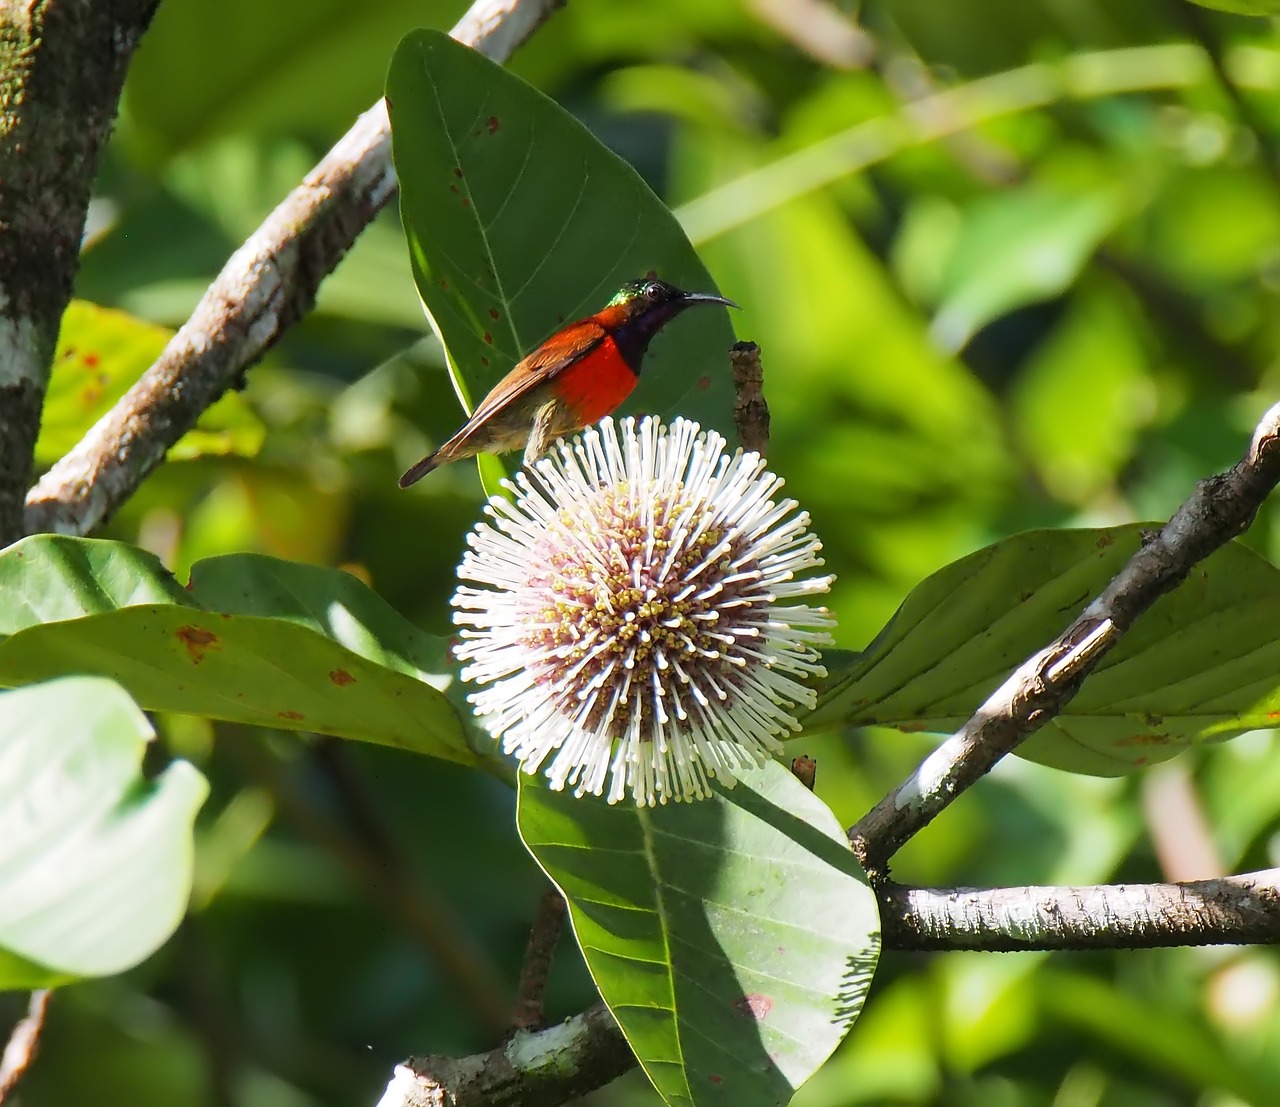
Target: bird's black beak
x=707, y=298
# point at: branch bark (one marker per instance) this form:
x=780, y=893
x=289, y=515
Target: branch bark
x=62, y=65
x=539, y=1069
x=1234, y=910
x=265, y=287
x=559, y=1064
x=20, y=1051
x=1220, y=508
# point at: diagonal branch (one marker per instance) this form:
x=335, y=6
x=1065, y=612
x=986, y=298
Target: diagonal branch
x=1220, y=508
x=265, y=287
x=23, y=1043
x=62, y=65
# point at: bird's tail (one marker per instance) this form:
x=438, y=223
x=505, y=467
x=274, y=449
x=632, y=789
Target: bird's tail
x=419, y=470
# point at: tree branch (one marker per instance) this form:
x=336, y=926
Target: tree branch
x=544, y=936
x=750, y=411
x=1220, y=508
x=266, y=286
x=1235, y=910
x=559, y=1064
x=538, y=1069
x=62, y=65
x=23, y=1043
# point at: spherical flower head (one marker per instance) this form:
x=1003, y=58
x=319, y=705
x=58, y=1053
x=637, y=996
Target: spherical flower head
x=636, y=619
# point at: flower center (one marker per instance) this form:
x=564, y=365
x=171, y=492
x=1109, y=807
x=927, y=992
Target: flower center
x=650, y=591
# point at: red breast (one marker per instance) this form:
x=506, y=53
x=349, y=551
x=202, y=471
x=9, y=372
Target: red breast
x=596, y=384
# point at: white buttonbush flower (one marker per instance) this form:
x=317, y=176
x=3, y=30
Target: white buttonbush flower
x=636, y=618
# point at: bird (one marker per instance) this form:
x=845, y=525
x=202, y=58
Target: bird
x=576, y=377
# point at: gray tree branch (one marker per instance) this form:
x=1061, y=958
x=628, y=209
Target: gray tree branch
x=62, y=65
x=1234, y=910
x=555, y=1065
x=1219, y=509
x=265, y=287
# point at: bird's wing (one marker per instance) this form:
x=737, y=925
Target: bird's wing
x=545, y=363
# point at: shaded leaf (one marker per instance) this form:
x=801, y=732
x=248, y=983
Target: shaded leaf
x=733, y=938
x=1202, y=664
x=253, y=640
x=95, y=862
x=101, y=353
x=519, y=220
x=1242, y=7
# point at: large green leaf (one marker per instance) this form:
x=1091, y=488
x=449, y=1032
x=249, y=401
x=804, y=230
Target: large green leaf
x=101, y=353
x=519, y=220
x=252, y=640
x=95, y=862
x=733, y=939
x=1202, y=664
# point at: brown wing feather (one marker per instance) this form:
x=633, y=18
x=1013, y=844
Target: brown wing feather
x=545, y=363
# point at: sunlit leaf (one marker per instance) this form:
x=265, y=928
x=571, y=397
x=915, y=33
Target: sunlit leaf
x=101, y=353
x=95, y=862
x=252, y=640
x=733, y=938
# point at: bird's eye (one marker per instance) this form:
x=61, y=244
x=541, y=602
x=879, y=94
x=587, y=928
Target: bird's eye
x=653, y=291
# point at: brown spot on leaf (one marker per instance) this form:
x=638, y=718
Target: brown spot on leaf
x=90, y=361
x=341, y=677
x=488, y=338
x=1143, y=740
x=453, y=188
x=457, y=171
x=492, y=124
x=484, y=360
x=704, y=382
x=465, y=202
x=494, y=313
x=715, y=1078
x=754, y=1004
x=444, y=284
x=293, y=716
x=197, y=641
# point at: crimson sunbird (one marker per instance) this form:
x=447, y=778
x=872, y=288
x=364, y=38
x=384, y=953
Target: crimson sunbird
x=575, y=378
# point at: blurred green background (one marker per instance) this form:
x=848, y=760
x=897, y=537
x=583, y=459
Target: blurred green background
x=1046, y=298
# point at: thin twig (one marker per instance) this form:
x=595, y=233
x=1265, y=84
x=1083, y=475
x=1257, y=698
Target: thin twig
x=24, y=1043
x=1234, y=910
x=1219, y=509
x=266, y=286
x=544, y=936
x=750, y=412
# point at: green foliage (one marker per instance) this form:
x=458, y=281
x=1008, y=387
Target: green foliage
x=101, y=353
x=96, y=861
x=251, y=640
x=733, y=939
x=1044, y=299
x=961, y=632
x=519, y=221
